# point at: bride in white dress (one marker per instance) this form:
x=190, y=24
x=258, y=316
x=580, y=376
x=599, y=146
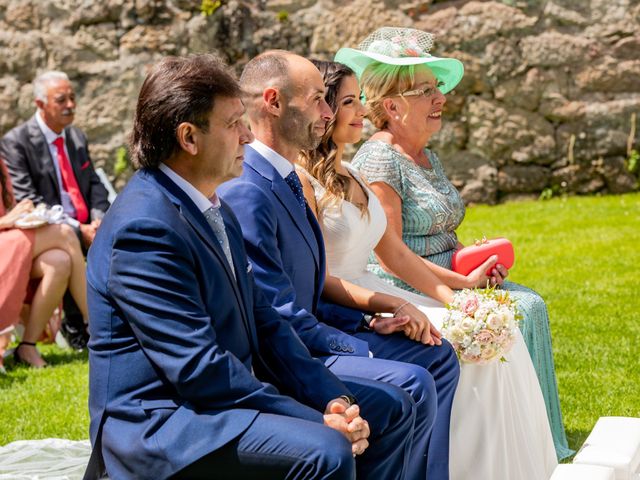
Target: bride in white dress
x=499, y=426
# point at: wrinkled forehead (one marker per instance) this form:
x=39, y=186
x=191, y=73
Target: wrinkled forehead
x=58, y=86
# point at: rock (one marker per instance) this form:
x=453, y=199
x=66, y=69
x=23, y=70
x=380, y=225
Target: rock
x=8, y=101
x=22, y=15
x=578, y=178
x=450, y=139
x=617, y=177
x=475, y=24
x=522, y=178
x=470, y=173
x=559, y=15
x=514, y=136
x=551, y=49
x=610, y=75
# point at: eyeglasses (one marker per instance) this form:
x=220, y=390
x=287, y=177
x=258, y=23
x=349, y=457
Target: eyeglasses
x=427, y=91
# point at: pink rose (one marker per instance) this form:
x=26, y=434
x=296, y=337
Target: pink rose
x=470, y=306
x=485, y=337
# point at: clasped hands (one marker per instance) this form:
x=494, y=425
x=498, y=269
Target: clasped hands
x=346, y=419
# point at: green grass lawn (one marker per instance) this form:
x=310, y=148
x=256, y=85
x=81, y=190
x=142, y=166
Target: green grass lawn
x=581, y=254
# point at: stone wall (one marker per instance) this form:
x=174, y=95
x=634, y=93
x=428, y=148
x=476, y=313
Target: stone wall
x=548, y=102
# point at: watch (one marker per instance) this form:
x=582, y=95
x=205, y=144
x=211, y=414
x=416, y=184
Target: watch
x=350, y=399
x=366, y=321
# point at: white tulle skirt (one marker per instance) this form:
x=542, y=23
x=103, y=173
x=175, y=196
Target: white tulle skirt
x=499, y=425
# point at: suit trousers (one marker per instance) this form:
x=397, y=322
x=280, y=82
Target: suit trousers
x=430, y=375
x=276, y=446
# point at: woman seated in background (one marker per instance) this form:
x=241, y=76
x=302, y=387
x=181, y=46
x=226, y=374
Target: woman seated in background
x=50, y=254
x=499, y=426
x=404, y=88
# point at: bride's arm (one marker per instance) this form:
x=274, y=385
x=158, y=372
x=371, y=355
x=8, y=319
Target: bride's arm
x=398, y=259
x=345, y=293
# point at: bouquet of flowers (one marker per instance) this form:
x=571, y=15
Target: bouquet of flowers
x=481, y=324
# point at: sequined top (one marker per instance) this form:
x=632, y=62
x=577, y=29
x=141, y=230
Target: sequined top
x=432, y=208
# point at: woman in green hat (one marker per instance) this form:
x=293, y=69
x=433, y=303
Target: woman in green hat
x=422, y=206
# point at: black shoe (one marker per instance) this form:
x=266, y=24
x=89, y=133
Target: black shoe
x=74, y=332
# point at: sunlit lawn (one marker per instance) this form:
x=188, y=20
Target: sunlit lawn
x=581, y=254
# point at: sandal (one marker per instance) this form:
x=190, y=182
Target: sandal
x=19, y=359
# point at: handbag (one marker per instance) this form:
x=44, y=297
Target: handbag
x=469, y=258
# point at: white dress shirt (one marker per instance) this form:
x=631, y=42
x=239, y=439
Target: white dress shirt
x=281, y=164
x=50, y=136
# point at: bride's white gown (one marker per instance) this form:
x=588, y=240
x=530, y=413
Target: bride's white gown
x=499, y=426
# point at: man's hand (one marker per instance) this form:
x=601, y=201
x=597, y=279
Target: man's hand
x=347, y=420
x=388, y=325
x=419, y=328
x=88, y=232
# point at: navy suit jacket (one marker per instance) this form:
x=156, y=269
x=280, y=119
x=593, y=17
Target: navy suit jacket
x=174, y=337
x=286, y=249
x=33, y=175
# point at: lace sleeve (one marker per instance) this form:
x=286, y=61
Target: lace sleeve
x=378, y=162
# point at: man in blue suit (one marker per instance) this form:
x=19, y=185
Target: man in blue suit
x=288, y=113
x=183, y=343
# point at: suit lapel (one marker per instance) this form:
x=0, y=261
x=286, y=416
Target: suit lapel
x=286, y=197
x=240, y=263
x=39, y=142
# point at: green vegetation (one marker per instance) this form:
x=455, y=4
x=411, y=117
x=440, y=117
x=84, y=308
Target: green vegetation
x=122, y=161
x=580, y=253
x=208, y=7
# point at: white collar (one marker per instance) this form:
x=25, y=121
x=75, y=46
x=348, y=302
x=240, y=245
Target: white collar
x=203, y=203
x=281, y=164
x=49, y=134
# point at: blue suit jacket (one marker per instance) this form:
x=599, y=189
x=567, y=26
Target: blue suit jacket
x=286, y=249
x=174, y=337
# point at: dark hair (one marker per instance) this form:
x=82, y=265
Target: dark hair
x=320, y=162
x=178, y=89
x=7, y=198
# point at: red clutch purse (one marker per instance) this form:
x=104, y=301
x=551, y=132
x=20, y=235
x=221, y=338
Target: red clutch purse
x=469, y=258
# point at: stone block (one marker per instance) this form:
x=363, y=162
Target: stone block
x=523, y=178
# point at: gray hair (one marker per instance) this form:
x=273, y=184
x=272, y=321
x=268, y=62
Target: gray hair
x=41, y=81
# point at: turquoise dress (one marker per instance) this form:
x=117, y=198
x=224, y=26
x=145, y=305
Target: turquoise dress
x=432, y=210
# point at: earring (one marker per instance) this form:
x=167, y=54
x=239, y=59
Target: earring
x=397, y=117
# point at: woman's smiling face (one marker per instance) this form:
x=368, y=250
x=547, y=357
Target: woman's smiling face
x=349, y=112
x=421, y=109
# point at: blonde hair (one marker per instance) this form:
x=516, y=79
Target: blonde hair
x=380, y=81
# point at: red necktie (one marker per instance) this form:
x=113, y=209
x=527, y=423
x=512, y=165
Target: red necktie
x=69, y=182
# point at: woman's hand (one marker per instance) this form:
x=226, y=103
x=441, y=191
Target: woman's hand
x=23, y=207
x=497, y=273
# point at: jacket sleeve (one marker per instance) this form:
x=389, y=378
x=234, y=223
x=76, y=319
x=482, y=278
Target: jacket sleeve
x=258, y=220
x=345, y=318
x=159, y=295
x=14, y=154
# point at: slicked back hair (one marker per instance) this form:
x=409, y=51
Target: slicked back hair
x=178, y=89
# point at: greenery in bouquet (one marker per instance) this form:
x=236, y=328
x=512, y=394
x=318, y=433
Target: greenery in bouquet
x=481, y=324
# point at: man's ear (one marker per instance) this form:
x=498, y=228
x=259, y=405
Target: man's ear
x=272, y=101
x=187, y=136
x=39, y=104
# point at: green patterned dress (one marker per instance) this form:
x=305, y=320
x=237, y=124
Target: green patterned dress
x=432, y=210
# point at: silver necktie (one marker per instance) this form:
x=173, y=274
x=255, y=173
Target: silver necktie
x=214, y=218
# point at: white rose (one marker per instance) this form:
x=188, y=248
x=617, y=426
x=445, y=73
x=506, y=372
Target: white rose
x=494, y=322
